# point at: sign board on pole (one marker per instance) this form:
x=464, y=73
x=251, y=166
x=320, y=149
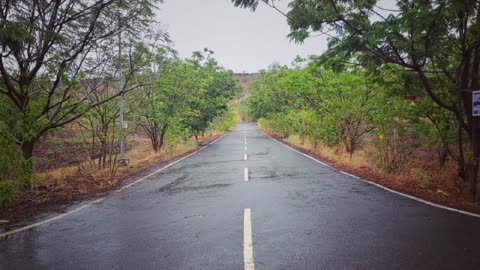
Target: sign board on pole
x=476, y=103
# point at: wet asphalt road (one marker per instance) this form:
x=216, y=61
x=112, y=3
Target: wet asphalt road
x=303, y=215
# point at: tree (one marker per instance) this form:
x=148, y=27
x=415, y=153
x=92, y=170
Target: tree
x=48, y=48
x=430, y=38
x=213, y=88
x=342, y=103
x=187, y=94
x=268, y=97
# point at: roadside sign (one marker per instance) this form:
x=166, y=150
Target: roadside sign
x=476, y=103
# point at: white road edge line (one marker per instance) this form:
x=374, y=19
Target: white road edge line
x=295, y=150
x=247, y=240
x=381, y=186
x=245, y=175
x=3, y=235
x=349, y=174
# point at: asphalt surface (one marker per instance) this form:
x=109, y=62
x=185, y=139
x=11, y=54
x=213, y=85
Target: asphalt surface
x=303, y=216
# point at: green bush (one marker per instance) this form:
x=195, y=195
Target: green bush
x=224, y=121
x=277, y=124
x=7, y=193
x=424, y=178
x=391, y=148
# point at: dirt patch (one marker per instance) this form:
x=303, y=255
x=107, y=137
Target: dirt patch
x=407, y=185
x=54, y=195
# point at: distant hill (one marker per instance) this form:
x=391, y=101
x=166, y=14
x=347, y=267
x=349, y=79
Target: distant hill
x=245, y=79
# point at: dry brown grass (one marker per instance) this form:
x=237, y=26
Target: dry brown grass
x=422, y=171
x=140, y=154
x=55, y=189
x=53, y=178
x=359, y=160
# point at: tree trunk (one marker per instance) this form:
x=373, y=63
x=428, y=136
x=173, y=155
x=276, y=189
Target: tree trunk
x=27, y=149
x=162, y=136
x=154, y=139
x=472, y=169
x=443, y=153
x=475, y=189
x=471, y=185
x=472, y=161
x=25, y=170
x=475, y=85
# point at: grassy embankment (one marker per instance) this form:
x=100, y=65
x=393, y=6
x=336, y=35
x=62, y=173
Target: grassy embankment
x=422, y=176
x=58, y=186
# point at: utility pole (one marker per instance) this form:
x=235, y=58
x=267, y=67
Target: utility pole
x=123, y=161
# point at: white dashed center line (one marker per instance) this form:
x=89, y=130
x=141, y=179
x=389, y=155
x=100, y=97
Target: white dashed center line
x=247, y=240
x=247, y=221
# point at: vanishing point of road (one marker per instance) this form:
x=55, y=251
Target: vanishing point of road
x=247, y=202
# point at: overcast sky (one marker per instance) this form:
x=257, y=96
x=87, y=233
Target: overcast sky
x=242, y=40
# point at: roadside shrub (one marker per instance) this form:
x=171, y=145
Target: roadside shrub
x=277, y=124
x=15, y=172
x=9, y=158
x=392, y=152
x=7, y=193
x=424, y=178
x=224, y=121
x=302, y=123
x=263, y=123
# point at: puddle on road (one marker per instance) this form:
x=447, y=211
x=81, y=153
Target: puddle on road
x=274, y=174
x=197, y=165
x=170, y=190
x=262, y=153
x=175, y=183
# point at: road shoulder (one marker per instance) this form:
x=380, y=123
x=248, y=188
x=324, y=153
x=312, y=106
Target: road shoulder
x=33, y=210
x=461, y=203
